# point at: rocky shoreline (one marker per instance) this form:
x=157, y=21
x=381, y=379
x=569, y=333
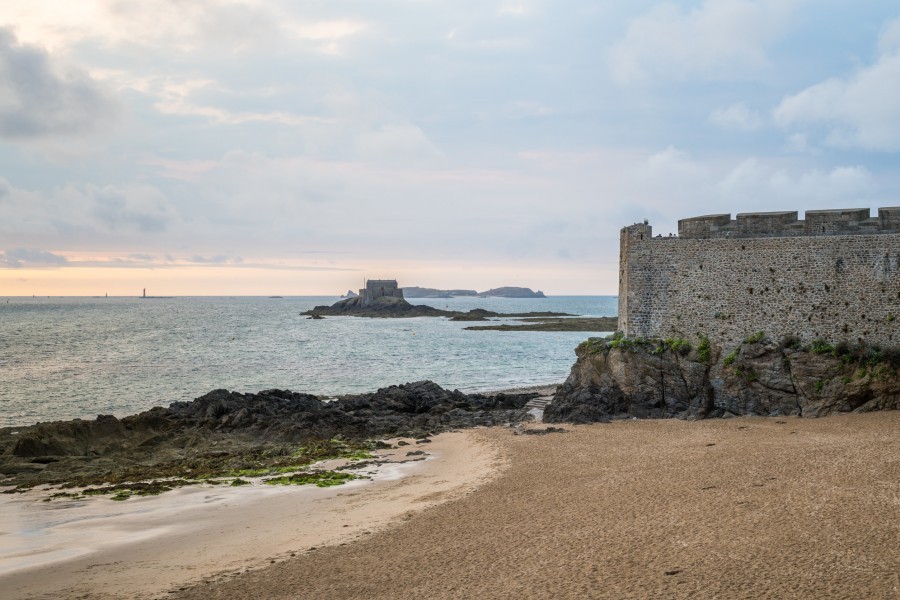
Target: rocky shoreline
x=223, y=433
x=586, y=324
x=619, y=377
x=392, y=307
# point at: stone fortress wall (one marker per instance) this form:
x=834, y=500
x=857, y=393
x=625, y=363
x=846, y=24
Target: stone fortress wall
x=379, y=288
x=834, y=276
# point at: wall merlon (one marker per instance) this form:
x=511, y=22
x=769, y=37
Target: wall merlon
x=638, y=231
x=889, y=218
x=705, y=226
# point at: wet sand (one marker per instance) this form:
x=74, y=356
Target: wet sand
x=147, y=547
x=736, y=508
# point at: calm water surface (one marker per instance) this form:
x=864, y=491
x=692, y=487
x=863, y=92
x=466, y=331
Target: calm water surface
x=62, y=358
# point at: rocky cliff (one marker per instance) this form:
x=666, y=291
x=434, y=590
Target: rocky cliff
x=619, y=377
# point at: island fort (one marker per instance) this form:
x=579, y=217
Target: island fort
x=833, y=276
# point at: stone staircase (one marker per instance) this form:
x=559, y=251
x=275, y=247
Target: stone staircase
x=536, y=406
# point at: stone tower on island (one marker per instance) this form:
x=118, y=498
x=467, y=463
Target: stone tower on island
x=379, y=288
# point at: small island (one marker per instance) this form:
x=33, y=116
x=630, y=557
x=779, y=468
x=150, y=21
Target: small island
x=382, y=298
x=421, y=292
x=500, y=292
x=512, y=292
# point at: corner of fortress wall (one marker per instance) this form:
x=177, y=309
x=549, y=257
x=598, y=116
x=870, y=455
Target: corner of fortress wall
x=834, y=275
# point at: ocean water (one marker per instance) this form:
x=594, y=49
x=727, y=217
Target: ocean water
x=64, y=358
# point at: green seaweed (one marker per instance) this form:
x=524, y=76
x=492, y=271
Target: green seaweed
x=319, y=478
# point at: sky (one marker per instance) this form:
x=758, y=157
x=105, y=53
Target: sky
x=260, y=147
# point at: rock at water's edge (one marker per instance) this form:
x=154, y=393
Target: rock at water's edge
x=650, y=380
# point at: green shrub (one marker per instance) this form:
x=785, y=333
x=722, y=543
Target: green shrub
x=678, y=345
x=755, y=338
x=791, y=341
x=704, y=351
x=732, y=356
x=822, y=347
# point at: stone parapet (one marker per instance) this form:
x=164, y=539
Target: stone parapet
x=770, y=272
x=786, y=224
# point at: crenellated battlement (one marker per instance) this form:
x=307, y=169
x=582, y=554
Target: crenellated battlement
x=842, y=221
x=834, y=275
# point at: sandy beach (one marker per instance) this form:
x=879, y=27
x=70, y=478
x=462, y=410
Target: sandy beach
x=148, y=547
x=736, y=508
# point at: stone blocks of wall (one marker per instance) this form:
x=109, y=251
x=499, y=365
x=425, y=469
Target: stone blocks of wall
x=835, y=287
x=380, y=288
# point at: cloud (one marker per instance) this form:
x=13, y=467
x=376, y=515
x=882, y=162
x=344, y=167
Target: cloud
x=736, y=117
x=18, y=258
x=40, y=97
x=722, y=39
x=400, y=144
x=232, y=26
x=859, y=111
x=175, y=98
x=137, y=207
x=84, y=212
x=671, y=185
x=219, y=259
x=753, y=182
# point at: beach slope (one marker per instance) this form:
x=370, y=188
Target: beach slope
x=731, y=508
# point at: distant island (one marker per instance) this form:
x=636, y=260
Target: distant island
x=500, y=292
x=512, y=292
x=420, y=292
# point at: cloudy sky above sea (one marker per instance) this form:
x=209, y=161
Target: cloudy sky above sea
x=295, y=147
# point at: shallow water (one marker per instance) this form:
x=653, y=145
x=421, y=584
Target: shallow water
x=63, y=358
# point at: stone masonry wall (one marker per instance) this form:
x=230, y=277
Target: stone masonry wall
x=836, y=287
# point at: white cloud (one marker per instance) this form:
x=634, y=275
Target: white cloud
x=232, y=25
x=772, y=187
x=84, y=213
x=39, y=97
x=18, y=258
x=137, y=207
x=401, y=144
x=860, y=111
x=674, y=164
x=516, y=9
x=889, y=39
x=736, y=117
x=722, y=39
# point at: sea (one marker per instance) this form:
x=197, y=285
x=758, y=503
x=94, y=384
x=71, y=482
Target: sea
x=66, y=358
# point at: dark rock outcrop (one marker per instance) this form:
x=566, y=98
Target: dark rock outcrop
x=393, y=307
x=654, y=379
x=224, y=423
x=385, y=306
